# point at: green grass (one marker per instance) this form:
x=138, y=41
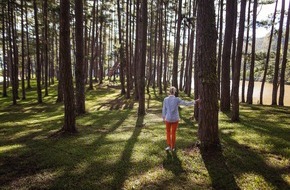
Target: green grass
x=114, y=149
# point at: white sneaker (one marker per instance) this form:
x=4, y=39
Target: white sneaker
x=167, y=148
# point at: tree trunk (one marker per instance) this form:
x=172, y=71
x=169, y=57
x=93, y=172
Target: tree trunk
x=38, y=64
x=220, y=46
x=182, y=61
x=86, y=44
x=196, y=76
x=176, y=48
x=128, y=71
x=92, y=48
x=237, y=67
x=284, y=61
x=155, y=54
x=53, y=52
x=160, y=43
x=253, y=57
x=234, y=42
x=142, y=22
x=96, y=48
x=277, y=60
x=131, y=34
x=11, y=70
x=79, y=70
x=189, y=23
x=59, y=75
x=206, y=41
x=246, y=53
x=225, y=78
x=23, y=53
x=166, y=48
x=68, y=93
x=268, y=55
x=121, y=51
x=45, y=53
x=102, y=48
x=28, y=51
x=136, y=51
x=191, y=49
x=15, y=61
x=4, y=54
x=150, y=56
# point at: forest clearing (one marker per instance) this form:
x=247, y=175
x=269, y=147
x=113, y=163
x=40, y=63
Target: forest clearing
x=116, y=149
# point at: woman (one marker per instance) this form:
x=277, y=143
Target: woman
x=170, y=116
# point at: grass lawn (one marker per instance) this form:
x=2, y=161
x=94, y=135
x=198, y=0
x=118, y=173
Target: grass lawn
x=114, y=149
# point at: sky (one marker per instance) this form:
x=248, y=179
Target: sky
x=264, y=12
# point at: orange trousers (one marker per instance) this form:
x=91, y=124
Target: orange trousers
x=171, y=133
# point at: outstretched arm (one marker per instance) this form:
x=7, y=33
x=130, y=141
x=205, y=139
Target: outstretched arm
x=189, y=103
x=197, y=101
x=185, y=103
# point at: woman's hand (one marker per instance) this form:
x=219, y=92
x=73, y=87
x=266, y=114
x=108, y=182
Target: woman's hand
x=197, y=101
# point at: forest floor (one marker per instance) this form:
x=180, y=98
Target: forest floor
x=116, y=149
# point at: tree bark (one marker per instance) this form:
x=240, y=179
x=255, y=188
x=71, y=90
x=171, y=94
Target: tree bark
x=79, y=70
x=121, y=51
x=38, y=64
x=220, y=46
x=136, y=51
x=155, y=53
x=234, y=41
x=253, y=57
x=128, y=68
x=176, y=49
x=225, y=78
x=237, y=67
x=11, y=69
x=23, y=52
x=284, y=61
x=28, y=51
x=96, y=48
x=206, y=58
x=160, y=44
x=150, y=51
x=4, y=53
x=142, y=49
x=59, y=75
x=246, y=53
x=100, y=50
x=15, y=60
x=277, y=60
x=268, y=55
x=181, y=76
x=191, y=50
x=45, y=53
x=69, y=125
x=166, y=47
x=92, y=48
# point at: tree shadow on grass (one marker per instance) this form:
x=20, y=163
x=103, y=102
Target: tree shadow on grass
x=31, y=160
x=268, y=127
x=120, y=102
x=221, y=176
x=123, y=166
x=189, y=121
x=173, y=163
x=247, y=160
